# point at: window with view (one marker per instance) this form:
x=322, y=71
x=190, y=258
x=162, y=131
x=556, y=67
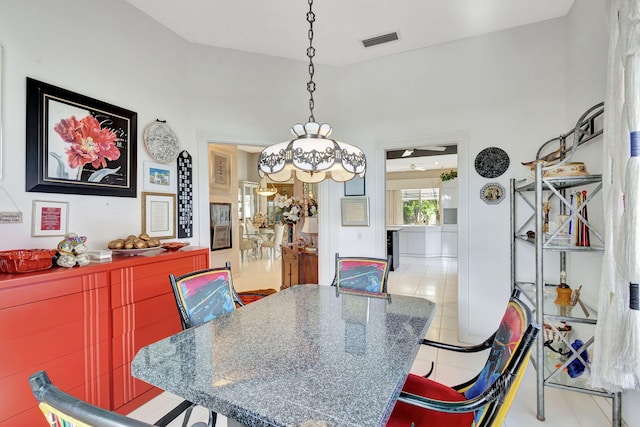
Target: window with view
x=420, y=206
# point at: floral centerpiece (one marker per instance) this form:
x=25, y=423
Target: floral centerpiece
x=291, y=208
x=260, y=221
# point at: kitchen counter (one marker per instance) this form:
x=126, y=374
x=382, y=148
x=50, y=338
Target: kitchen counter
x=427, y=240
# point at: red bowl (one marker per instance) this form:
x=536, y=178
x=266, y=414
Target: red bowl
x=173, y=246
x=26, y=260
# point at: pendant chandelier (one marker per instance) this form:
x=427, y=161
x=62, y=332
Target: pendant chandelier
x=311, y=156
x=265, y=190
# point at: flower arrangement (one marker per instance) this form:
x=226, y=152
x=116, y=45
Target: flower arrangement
x=291, y=208
x=260, y=221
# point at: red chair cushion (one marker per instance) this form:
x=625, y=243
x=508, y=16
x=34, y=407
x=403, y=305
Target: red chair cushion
x=248, y=297
x=404, y=414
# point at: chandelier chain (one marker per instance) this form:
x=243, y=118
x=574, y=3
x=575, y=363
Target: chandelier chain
x=311, y=85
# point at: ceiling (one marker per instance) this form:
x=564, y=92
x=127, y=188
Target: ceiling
x=416, y=159
x=279, y=28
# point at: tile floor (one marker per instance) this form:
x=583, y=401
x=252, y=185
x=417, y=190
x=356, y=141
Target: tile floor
x=436, y=280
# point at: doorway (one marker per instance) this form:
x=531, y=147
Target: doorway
x=460, y=141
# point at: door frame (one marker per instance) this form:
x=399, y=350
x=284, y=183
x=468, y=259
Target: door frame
x=461, y=139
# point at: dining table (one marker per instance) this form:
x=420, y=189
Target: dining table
x=305, y=356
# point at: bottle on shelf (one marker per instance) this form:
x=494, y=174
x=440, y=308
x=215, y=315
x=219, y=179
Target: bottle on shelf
x=584, y=229
x=563, y=296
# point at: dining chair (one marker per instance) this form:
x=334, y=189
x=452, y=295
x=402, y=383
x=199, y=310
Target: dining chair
x=251, y=229
x=274, y=245
x=484, y=400
x=246, y=243
x=361, y=274
x=64, y=410
x=202, y=296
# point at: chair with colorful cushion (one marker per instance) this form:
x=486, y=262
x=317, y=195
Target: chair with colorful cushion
x=361, y=274
x=483, y=401
x=202, y=296
x=62, y=409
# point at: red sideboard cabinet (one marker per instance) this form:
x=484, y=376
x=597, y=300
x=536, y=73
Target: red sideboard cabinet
x=84, y=325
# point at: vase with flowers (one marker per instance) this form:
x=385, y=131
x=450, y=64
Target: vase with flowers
x=291, y=212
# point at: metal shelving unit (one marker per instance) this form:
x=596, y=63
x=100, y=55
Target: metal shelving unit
x=532, y=194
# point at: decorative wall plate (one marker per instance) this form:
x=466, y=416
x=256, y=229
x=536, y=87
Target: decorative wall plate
x=492, y=193
x=492, y=162
x=160, y=142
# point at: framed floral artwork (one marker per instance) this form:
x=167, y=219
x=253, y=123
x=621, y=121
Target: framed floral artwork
x=78, y=145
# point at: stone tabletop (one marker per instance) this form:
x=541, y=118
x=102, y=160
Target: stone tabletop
x=302, y=356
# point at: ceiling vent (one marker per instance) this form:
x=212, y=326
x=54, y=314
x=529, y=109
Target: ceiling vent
x=385, y=38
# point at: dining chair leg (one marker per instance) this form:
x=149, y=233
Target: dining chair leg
x=174, y=413
x=187, y=415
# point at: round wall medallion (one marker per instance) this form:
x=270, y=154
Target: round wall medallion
x=160, y=142
x=492, y=162
x=492, y=193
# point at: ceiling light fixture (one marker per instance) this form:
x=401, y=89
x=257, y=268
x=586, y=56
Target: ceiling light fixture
x=312, y=156
x=265, y=190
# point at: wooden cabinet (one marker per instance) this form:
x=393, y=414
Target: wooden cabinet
x=298, y=267
x=83, y=326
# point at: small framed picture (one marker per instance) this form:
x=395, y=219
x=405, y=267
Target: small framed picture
x=220, y=173
x=220, y=237
x=355, y=211
x=159, y=177
x=220, y=226
x=49, y=218
x=354, y=187
x=159, y=215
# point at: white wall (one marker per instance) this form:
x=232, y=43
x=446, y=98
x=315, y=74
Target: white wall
x=506, y=89
x=512, y=89
x=113, y=52
x=105, y=50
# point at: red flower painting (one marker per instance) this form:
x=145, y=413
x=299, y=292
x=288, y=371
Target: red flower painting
x=89, y=142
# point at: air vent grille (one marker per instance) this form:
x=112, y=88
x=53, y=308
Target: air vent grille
x=385, y=38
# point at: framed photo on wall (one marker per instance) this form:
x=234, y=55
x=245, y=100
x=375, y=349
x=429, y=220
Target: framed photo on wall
x=220, y=226
x=78, y=145
x=49, y=218
x=355, y=211
x=159, y=215
x=159, y=177
x=220, y=174
x=354, y=187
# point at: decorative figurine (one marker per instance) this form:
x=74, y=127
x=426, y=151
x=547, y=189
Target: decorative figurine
x=72, y=251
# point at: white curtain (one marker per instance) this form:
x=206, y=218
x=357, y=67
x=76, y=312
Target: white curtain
x=617, y=346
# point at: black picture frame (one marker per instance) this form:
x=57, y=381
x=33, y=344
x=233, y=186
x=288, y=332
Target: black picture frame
x=220, y=214
x=355, y=187
x=57, y=119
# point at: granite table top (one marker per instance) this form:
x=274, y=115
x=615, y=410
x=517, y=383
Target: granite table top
x=304, y=356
